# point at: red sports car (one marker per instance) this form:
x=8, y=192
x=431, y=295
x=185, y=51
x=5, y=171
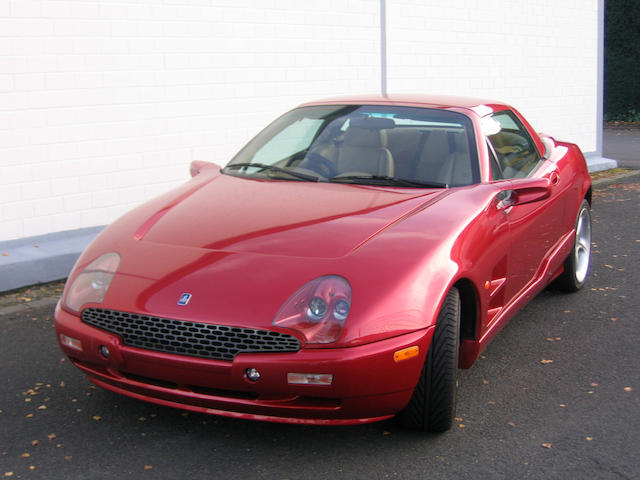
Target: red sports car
x=340, y=269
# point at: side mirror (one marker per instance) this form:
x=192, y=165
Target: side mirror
x=198, y=166
x=524, y=191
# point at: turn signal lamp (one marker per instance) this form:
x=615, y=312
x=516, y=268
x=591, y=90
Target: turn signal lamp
x=406, y=354
x=309, y=378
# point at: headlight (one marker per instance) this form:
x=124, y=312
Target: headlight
x=318, y=310
x=92, y=284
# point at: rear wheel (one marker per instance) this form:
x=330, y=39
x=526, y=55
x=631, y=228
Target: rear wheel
x=432, y=406
x=576, y=266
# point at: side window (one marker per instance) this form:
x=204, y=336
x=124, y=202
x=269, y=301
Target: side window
x=516, y=153
x=496, y=172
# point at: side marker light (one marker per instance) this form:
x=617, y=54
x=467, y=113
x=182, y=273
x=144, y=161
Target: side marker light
x=406, y=354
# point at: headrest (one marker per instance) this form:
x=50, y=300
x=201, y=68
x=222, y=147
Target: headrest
x=364, y=137
x=461, y=142
x=372, y=123
x=437, y=141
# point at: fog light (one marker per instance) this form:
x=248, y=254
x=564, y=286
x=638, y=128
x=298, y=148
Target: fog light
x=104, y=351
x=71, y=342
x=252, y=374
x=309, y=378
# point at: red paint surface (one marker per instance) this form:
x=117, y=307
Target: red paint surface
x=242, y=247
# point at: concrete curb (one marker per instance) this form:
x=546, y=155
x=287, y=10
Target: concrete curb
x=21, y=307
x=33, y=260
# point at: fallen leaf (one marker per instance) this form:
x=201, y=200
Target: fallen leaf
x=588, y=439
x=142, y=419
x=51, y=436
x=546, y=445
x=386, y=433
x=462, y=425
x=32, y=467
x=458, y=419
x=97, y=418
x=628, y=389
x=35, y=442
x=8, y=474
x=68, y=458
x=563, y=405
x=511, y=424
x=545, y=361
x=42, y=407
x=25, y=455
x=593, y=384
x=29, y=415
x=148, y=467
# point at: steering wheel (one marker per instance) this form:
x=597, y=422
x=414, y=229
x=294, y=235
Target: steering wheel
x=319, y=164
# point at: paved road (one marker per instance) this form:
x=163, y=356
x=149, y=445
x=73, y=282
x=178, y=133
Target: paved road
x=622, y=144
x=584, y=404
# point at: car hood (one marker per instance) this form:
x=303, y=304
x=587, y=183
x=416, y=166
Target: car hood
x=289, y=218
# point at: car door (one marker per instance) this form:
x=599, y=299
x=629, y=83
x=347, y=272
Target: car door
x=536, y=227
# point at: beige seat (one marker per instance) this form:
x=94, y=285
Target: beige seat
x=433, y=165
x=445, y=159
x=364, y=151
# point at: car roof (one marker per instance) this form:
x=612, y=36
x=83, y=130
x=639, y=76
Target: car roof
x=481, y=107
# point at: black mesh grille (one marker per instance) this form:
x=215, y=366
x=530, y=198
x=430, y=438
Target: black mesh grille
x=188, y=338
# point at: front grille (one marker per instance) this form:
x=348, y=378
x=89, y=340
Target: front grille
x=192, y=339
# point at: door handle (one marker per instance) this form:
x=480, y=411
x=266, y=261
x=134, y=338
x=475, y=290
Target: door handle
x=554, y=178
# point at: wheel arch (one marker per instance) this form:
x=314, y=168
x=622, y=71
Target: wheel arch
x=469, y=309
x=587, y=195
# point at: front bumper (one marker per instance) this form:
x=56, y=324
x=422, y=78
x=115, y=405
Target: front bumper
x=368, y=385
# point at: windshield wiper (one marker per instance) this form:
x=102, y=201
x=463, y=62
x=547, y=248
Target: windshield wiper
x=387, y=180
x=272, y=168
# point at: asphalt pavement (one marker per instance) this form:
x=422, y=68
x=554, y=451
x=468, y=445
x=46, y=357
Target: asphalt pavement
x=555, y=396
x=622, y=143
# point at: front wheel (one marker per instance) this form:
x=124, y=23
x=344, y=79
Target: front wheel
x=433, y=403
x=576, y=266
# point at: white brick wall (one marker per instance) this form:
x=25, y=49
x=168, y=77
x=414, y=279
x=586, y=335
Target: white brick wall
x=540, y=56
x=103, y=103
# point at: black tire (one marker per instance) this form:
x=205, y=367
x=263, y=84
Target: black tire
x=432, y=406
x=576, y=266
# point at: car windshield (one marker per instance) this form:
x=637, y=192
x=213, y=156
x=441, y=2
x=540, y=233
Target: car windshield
x=364, y=144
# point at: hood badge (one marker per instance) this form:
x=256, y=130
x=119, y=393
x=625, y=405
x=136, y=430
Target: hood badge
x=184, y=299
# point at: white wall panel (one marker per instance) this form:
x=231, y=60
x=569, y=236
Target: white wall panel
x=103, y=103
x=539, y=56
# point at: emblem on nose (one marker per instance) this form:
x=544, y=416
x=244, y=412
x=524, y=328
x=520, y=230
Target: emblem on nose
x=184, y=299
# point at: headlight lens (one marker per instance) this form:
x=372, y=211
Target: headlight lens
x=318, y=310
x=92, y=284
